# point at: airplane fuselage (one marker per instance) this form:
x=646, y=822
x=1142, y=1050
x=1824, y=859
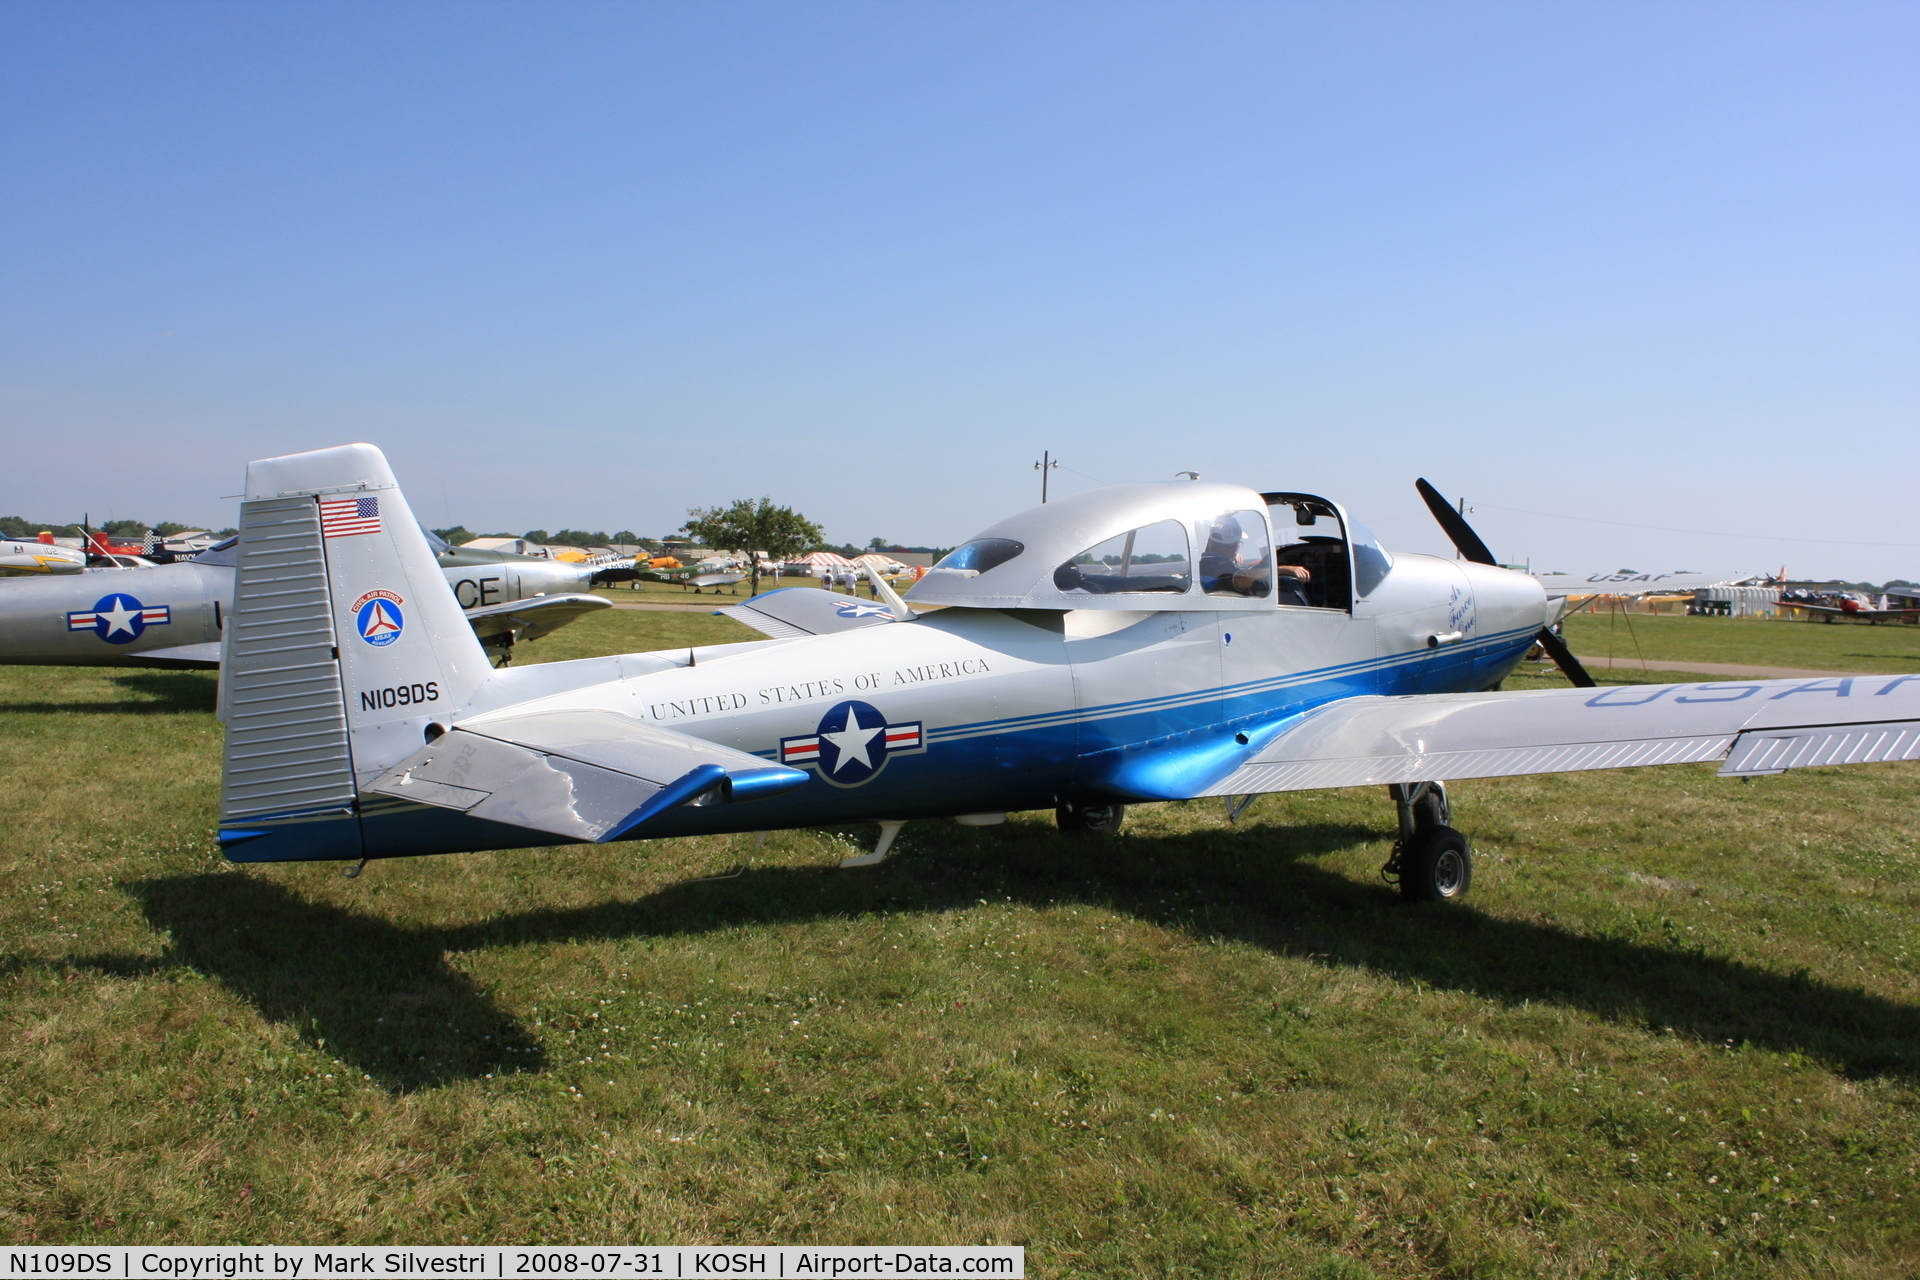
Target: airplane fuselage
x=969, y=710
x=140, y=617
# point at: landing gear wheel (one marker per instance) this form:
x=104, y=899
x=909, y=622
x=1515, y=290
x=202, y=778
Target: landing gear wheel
x=1090, y=819
x=1436, y=866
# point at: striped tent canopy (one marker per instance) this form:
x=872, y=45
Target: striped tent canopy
x=824, y=560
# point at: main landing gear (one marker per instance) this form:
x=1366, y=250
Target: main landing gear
x=1431, y=861
x=1089, y=819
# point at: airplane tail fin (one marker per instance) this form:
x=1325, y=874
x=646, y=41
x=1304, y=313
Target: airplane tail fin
x=344, y=645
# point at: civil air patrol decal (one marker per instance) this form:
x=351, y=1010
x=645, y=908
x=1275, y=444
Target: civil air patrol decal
x=379, y=620
x=119, y=618
x=852, y=744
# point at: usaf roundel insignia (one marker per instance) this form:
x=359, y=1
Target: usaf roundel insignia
x=119, y=618
x=852, y=743
x=378, y=618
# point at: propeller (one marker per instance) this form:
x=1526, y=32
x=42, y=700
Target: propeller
x=1471, y=548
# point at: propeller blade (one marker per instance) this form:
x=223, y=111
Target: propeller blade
x=1563, y=658
x=1463, y=536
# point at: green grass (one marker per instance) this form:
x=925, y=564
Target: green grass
x=1773, y=642
x=1674, y=1032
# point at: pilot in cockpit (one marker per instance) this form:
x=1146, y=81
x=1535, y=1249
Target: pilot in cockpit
x=1229, y=566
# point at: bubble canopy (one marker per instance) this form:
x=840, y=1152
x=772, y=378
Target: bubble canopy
x=1076, y=552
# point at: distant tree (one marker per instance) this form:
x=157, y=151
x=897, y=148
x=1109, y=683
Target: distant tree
x=227, y=533
x=167, y=528
x=579, y=538
x=748, y=526
x=535, y=535
x=124, y=528
x=457, y=536
x=878, y=544
x=627, y=538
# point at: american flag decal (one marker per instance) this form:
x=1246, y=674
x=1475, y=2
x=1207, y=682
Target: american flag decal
x=349, y=517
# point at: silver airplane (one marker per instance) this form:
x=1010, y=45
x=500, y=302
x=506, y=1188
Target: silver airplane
x=1137, y=643
x=174, y=615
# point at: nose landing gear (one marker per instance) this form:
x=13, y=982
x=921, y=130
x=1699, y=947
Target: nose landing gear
x=1431, y=861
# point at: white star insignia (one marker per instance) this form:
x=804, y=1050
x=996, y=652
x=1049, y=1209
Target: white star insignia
x=851, y=741
x=120, y=618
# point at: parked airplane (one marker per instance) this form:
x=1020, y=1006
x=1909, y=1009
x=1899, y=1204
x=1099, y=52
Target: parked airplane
x=1135, y=643
x=1833, y=605
x=173, y=615
x=19, y=558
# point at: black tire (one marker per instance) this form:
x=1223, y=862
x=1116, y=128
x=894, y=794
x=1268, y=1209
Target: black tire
x=1090, y=819
x=1437, y=866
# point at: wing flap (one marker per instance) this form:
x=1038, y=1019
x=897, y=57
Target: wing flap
x=1761, y=726
x=578, y=774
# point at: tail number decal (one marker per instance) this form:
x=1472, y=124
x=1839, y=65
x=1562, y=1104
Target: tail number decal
x=399, y=695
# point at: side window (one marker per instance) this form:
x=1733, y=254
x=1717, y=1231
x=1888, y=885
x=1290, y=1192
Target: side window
x=1237, y=560
x=1311, y=562
x=1155, y=557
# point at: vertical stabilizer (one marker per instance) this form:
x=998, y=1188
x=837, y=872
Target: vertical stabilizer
x=345, y=643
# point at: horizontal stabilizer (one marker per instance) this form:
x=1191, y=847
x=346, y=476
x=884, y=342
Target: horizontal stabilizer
x=1756, y=726
x=534, y=617
x=807, y=611
x=185, y=657
x=579, y=774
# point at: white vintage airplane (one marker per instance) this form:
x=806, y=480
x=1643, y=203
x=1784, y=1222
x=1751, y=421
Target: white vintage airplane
x=173, y=615
x=1136, y=643
x=20, y=558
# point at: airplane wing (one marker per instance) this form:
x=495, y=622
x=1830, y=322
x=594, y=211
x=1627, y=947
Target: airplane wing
x=1627, y=582
x=1754, y=727
x=534, y=617
x=186, y=657
x=806, y=611
x=581, y=774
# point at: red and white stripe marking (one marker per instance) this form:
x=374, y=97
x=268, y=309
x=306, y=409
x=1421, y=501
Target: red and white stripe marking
x=800, y=751
x=903, y=737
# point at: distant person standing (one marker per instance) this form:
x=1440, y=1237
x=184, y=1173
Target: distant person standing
x=826, y=578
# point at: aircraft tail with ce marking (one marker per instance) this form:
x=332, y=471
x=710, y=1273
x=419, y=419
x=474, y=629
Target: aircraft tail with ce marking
x=344, y=642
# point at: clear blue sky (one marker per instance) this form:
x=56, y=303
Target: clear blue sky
x=591, y=264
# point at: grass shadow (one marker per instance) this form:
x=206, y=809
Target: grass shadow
x=150, y=693
x=1262, y=886
x=382, y=998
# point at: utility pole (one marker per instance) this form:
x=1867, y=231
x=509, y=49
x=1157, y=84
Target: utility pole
x=1045, y=465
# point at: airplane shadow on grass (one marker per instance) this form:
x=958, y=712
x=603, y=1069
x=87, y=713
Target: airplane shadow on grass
x=149, y=693
x=384, y=998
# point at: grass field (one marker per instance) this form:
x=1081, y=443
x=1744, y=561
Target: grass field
x=1675, y=1031
x=1772, y=642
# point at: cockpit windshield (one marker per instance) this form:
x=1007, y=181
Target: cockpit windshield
x=1371, y=561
